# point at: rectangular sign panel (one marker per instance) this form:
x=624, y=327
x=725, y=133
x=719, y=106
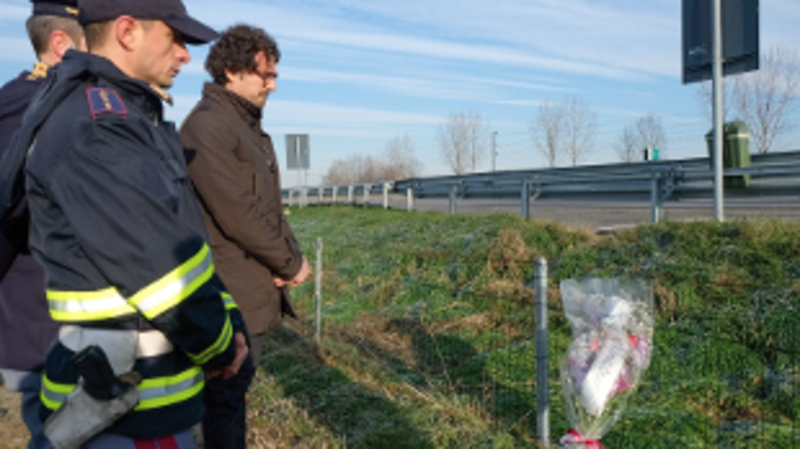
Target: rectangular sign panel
x=297, y=152
x=740, y=22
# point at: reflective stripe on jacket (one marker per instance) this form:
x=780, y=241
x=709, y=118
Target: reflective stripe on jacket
x=117, y=228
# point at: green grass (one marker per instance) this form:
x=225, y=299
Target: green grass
x=428, y=333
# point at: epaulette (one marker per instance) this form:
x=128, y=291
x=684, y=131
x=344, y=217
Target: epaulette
x=105, y=101
x=39, y=71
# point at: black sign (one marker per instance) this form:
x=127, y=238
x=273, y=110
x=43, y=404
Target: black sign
x=740, y=20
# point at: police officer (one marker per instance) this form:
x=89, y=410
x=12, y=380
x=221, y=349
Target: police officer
x=116, y=226
x=26, y=329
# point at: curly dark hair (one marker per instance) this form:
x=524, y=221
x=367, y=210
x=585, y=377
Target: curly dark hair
x=236, y=51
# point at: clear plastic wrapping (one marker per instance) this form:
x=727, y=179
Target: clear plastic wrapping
x=612, y=330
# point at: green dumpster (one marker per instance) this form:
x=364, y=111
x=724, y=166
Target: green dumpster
x=735, y=152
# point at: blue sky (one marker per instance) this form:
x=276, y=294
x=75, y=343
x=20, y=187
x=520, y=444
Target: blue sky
x=355, y=73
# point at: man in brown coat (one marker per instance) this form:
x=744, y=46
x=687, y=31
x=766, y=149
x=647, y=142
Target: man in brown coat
x=233, y=166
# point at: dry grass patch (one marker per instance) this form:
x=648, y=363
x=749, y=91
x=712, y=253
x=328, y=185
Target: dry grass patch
x=13, y=433
x=509, y=256
x=666, y=301
x=515, y=290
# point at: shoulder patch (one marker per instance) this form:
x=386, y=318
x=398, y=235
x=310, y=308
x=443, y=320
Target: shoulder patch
x=105, y=101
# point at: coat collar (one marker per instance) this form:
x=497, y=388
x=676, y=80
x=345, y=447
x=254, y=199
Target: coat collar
x=246, y=110
x=148, y=99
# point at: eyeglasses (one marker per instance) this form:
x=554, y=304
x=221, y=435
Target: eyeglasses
x=266, y=76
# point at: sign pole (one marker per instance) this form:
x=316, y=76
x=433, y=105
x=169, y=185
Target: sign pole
x=719, y=212
x=297, y=153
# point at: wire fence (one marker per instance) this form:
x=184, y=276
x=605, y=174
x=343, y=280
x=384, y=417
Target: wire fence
x=724, y=374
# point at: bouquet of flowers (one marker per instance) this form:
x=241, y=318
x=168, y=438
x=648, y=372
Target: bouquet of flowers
x=612, y=328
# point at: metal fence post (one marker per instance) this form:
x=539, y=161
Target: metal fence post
x=318, y=292
x=385, y=195
x=351, y=194
x=303, y=197
x=542, y=381
x=453, y=198
x=367, y=188
x=410, y=199
x=321, y=194
x=655, y=198
x=291, y=195
x=526, y=200
x=335, y=195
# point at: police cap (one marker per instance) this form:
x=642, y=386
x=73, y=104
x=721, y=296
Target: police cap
x=171, y=12
x=61, y=8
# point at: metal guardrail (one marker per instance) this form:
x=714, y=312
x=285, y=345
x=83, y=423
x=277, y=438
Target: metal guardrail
x=773, y=175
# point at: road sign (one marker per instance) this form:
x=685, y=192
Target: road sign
x=297, y=152
x=740, y=30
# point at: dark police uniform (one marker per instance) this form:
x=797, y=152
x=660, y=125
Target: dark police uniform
x=116, y=225
x=26, y=329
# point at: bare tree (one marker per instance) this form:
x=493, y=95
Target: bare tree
x=766, y=97
x=372, y=170
x=462, y=139
x=400, y=160
x=580, y=126
x=628, y=145
x=339, y=174
x=646, y=132
x=705, y=98
x=763, y=98
x=397, y=163
x=650, y=133
x=353, y=170
x=547, y=130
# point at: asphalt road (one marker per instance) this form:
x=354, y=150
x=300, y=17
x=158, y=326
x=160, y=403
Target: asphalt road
x=611, y=214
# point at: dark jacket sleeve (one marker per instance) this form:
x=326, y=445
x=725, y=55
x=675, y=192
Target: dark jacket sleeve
x=217, y=176
x=13, y=238
x=121, y=207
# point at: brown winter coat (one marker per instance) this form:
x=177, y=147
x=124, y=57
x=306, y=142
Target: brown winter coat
x=233, y=166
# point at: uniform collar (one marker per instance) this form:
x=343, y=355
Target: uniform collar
x=39, y=71
x=247, y=111
x=102, y=69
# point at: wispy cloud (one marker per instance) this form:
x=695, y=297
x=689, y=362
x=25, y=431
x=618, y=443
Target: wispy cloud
x=282, y=112
x=16, y=50
x=282, y=116
x=578, y=33
x=14, y=12
x=441, y=86
x=416, y=87
x=332, y=30
x=521, y=103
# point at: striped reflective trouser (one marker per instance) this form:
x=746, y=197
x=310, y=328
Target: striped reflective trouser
x=123, y=348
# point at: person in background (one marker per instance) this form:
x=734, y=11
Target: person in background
x=233, y=167
x=26, y=329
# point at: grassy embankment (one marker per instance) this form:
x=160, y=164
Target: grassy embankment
x=428, y=333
